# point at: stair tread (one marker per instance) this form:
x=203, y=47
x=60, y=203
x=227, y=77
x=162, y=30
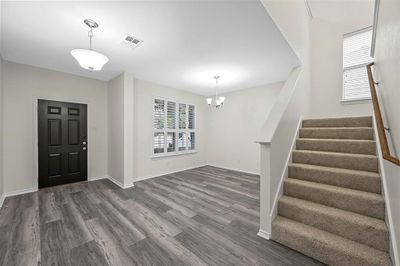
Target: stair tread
x=335, y=176
x=338, y=153
x=338, y=140
x=362, y=202
x=336, y=169
x=345, y=121
x=334, y=128
x=349, y=191
x=365, y=162
x=339, y=213
x=363, y=133
x=326, y=241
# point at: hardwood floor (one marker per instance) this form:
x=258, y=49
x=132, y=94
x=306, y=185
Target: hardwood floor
x=203, y=216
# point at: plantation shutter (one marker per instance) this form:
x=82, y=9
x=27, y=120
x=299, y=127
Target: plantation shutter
x=356, y=55
x=158, y=114
x=182, y=116
x=191, y=126
x=171, y=115
x=174, y=127
x=191, y=117
x=159, y=124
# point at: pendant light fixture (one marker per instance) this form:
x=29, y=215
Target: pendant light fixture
x=88, y=58
x=218, y=101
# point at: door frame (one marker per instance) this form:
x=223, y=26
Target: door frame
x=36, y=135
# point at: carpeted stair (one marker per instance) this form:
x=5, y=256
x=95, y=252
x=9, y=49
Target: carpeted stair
x=332, y=208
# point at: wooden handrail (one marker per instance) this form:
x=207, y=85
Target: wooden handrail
x=379, y=121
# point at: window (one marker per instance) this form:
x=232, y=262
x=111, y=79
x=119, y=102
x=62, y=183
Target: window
x=174, y=127
x=356, y=56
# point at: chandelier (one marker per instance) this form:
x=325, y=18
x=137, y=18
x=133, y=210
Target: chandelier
x=88, y=58
x=218, y=101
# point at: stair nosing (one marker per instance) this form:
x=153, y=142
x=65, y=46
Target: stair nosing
x=337, y=140
x=343, y=212
x=330, y=187
x=336, y=169
x=317, y=128
x=338, y=240
x=338, y=153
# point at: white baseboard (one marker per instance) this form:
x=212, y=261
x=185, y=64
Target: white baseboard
x=233, y=169
x=264, y=234
x=19, y=192
x=2, y=198
x=168, y=173
x=118, y=183
x=30, y=190
x=97, y=178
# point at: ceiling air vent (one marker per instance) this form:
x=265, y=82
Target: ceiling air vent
x=131, y=41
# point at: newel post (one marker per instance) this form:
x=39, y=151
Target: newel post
x=265, y=190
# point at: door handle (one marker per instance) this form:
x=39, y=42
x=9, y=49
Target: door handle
x=84, y=148
x=84, y=143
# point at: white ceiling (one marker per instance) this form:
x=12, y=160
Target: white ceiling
x=185, y=43
x=355, y=14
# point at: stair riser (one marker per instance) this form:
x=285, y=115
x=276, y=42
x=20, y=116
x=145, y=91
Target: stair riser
x=362, y=233
x=358, y=147
x=344, y=201
x=337, y=160
x=353, y=181
x=339, y=122
x=324, y=253
x=341, y=133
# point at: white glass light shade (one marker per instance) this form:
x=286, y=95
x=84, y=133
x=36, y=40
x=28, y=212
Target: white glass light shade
x=222, y=99
x=89, y=59
x=209, y=101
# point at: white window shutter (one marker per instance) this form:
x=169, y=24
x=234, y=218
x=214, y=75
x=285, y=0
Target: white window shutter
x=182, y=116
x=171, y=142
x=159, y=114
x=159, y=142
x=191, y=117
x=182, y=141
x=174, y=127
x=192, y=141
x=171, y=115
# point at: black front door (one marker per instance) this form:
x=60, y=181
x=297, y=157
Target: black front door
x=62, y=142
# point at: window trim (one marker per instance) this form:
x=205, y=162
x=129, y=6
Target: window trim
x=358, y=100
x=176, y=130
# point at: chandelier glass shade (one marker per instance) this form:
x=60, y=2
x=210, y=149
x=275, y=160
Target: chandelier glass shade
x=218, y=101
x=88, y=58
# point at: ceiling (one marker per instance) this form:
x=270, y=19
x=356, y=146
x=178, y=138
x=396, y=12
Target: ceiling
x=356, y=14
x=185, y=43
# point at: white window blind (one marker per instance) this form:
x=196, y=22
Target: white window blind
x=174, y=127
x=356, y=56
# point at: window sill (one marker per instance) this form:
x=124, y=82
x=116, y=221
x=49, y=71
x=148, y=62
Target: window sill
x=170, y=154
x=355, y=101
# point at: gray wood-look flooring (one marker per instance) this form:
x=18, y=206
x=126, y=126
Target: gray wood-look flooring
x=204, y=216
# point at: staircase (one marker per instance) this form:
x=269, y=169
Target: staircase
x=332, y=208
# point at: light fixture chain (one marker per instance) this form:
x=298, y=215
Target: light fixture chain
x=216, y=87
x=90, y=34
